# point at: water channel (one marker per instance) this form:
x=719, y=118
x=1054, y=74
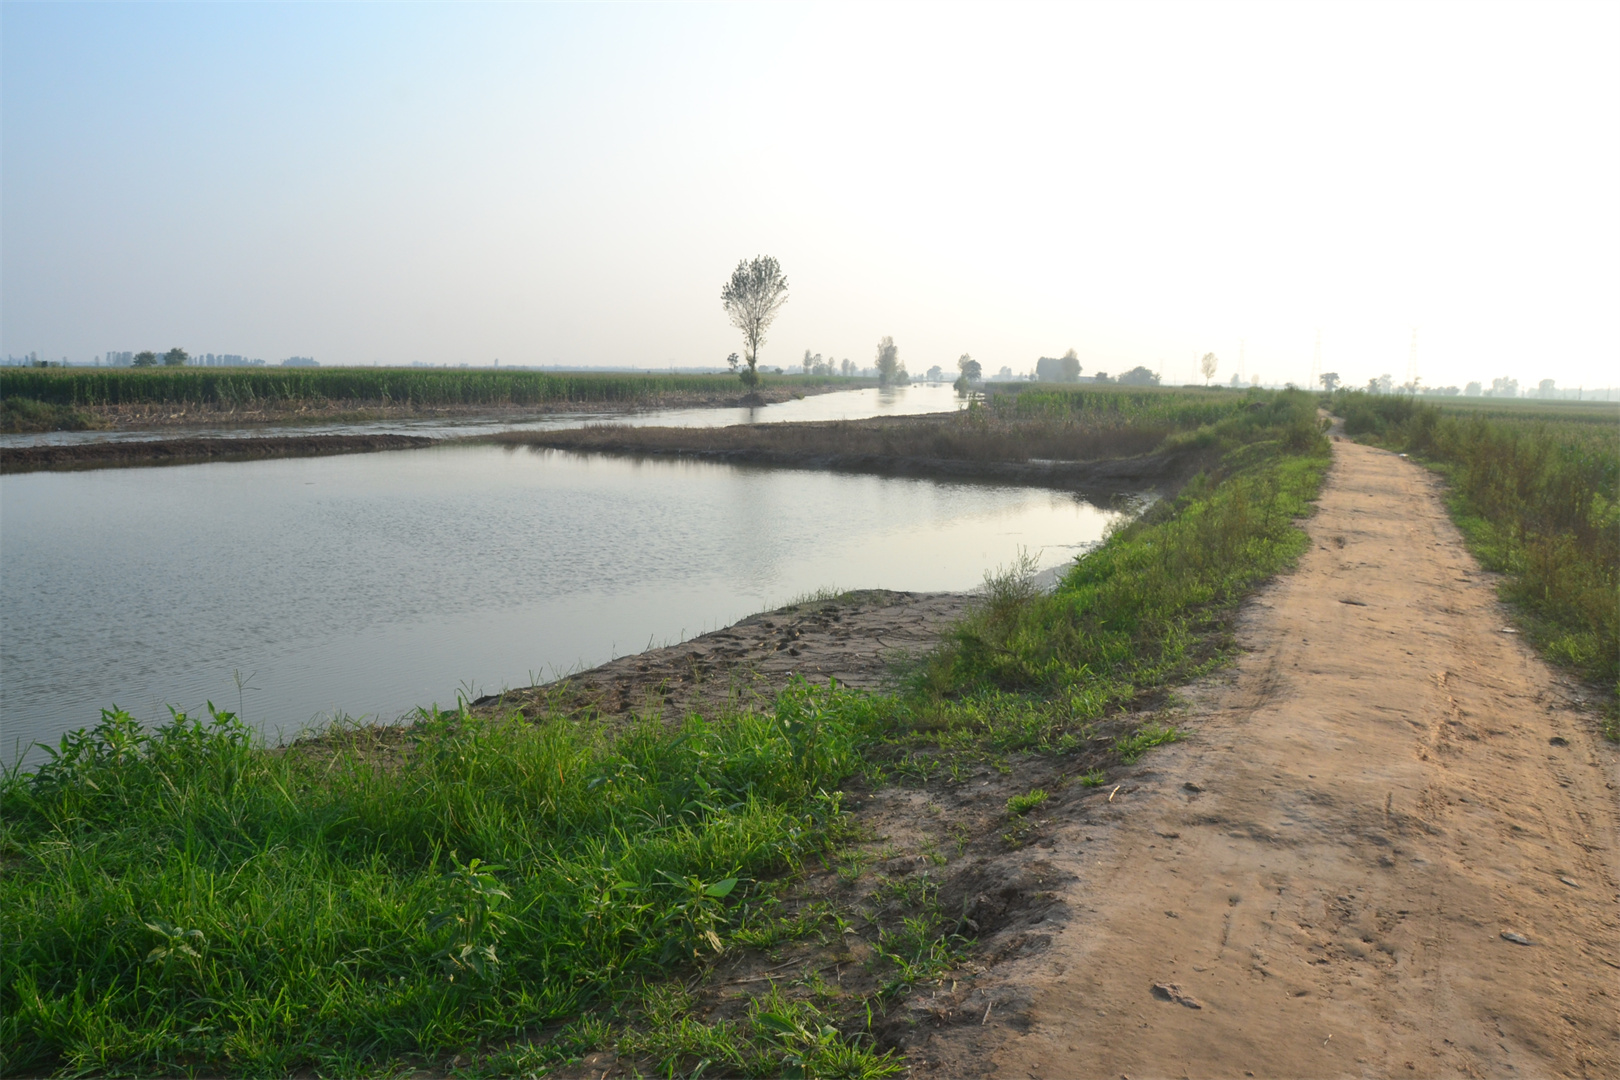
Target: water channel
x=368, y=585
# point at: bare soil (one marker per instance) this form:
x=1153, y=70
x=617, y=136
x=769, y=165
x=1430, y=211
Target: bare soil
x=1391, y=846
x=859, y=639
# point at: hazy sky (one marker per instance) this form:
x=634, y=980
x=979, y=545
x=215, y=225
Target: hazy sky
x=543, y=184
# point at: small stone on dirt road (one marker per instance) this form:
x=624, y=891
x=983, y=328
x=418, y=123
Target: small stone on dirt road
x=1517, y=939
x=1571, y=882
x=1172, y=992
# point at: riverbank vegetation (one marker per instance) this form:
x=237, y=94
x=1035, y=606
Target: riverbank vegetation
x=1535, y=489
x=37, y=398
x=495, y=895
x=1013, y=426
x=1147, y=610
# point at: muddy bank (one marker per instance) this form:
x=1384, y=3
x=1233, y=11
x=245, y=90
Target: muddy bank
x=932, y=447
x=861, y=639
x=108, y=455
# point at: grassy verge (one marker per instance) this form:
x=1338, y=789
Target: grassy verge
x=181, y=900
x=1534, y=491
x=504, y=895
x=1150, y=608
x=25, y=414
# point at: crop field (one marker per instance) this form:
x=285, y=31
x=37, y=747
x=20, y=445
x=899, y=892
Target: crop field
x=1536, y=491
x=248, y=387
x=500, y=895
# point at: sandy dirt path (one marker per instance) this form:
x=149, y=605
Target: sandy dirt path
x=1388, y=849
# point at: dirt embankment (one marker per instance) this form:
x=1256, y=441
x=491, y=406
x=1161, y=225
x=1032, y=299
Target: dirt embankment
x=104, y=455
x=1391, y=846
x=1071, y=457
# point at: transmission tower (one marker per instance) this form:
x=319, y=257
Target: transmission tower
x=1411, y=363
x=1242, y=349
x=1316, y=364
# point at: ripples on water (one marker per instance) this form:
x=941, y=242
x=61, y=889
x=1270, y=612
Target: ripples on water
x=370, y=584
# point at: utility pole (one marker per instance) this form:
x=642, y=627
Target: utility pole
x=1316, y=363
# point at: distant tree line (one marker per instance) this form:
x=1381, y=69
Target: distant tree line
x=1502, y=387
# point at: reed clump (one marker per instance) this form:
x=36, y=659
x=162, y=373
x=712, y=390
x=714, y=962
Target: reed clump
x=1535, y=488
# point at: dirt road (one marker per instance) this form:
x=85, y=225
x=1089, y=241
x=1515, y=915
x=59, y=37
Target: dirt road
x=1388, y=849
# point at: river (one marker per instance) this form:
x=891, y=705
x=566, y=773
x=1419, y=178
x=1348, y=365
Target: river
x=296, y=590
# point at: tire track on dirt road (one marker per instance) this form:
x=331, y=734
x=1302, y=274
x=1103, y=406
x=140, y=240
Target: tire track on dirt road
x=1335, y=874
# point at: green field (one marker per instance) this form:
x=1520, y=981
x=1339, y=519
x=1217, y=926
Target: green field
x=420, y=387
x=521, y=892
x=1535, y=488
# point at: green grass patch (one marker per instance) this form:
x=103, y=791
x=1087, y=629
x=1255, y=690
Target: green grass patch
x=182, y=899
x=1034, y=671
x=1023, y=804
x=1131, y=747
x=21, y=414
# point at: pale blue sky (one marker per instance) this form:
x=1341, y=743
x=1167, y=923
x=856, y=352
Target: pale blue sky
x=572, y=184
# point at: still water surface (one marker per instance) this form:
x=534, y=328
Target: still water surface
x=371, y=584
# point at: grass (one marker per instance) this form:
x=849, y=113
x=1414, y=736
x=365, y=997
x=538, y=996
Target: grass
x=184, y=900
x=1023, y=804
x=1032, y=425
x=1535, y=489
x=1150, y=608
x=30, y=394
x=26, y=414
